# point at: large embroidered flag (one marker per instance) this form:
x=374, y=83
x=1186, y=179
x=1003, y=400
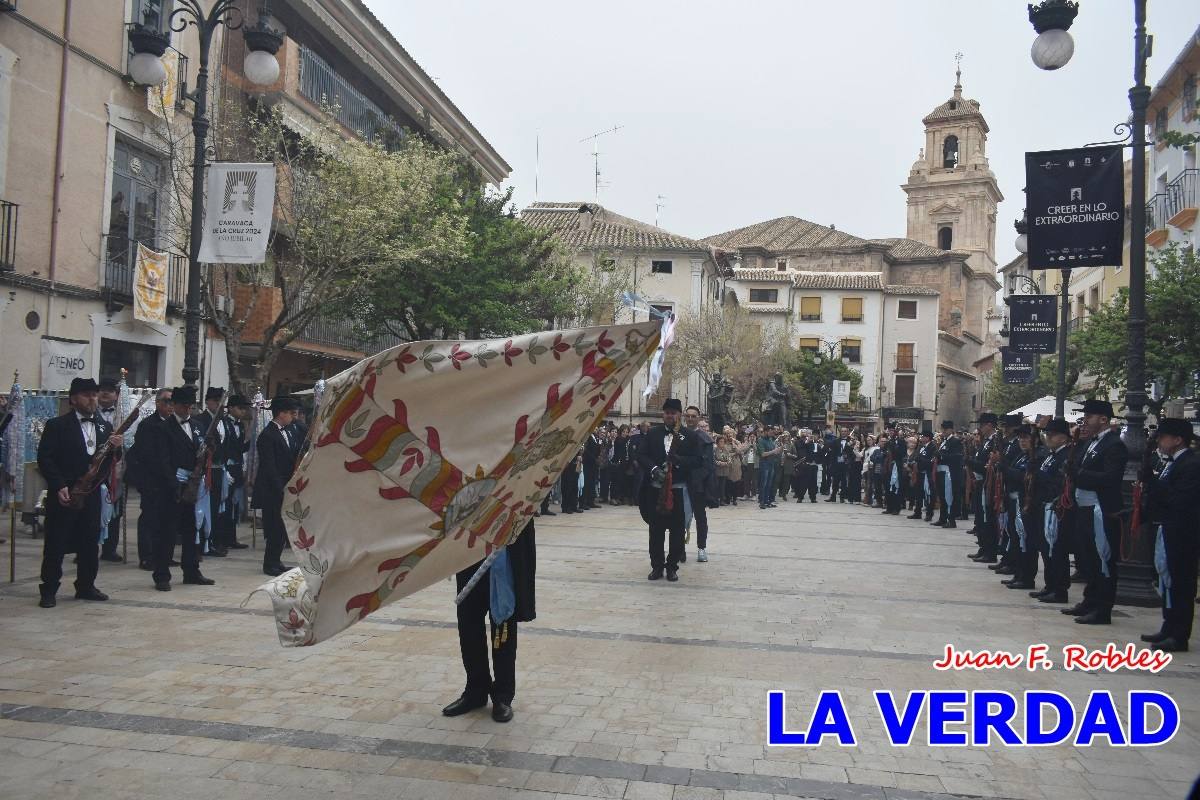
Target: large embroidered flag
x=150, y=285
x=427, y=456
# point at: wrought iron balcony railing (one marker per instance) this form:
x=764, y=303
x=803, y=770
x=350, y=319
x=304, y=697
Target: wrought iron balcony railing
x=906, y=362
x=322, y=85
x=1181, y=193
x=119, y=268
x=1156, y=212
x=8, y=234
x=345, y=334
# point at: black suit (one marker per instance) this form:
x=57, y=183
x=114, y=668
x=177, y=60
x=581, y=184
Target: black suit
x=155, y=483
x=1174, y=501
x=1099, y=472
x=472, y=635
x=275, y=461
x=1048, y=488
x=685, y=457
x=804, y=473
x=950, y=455
x=178, y=444
x=591, y=470
x=63, y=459
x=216, y=473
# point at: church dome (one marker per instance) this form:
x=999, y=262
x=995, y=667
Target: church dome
x=919, y=166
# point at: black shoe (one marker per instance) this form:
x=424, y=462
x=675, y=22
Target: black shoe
x=1077, y=578
x=463, y=705
x=1004, y=569
x=215, y=553
x=238, y=546
x=914, y=516
x=683, y=557
x=1077, y=610
x=655, y=574
x=1154, y=638
x=501, y=712
x=1171, y=645
x=274, y=571
x=146, y=565
x=549, y=513
x=1020, y=584
x=164, y=586
x=941, y=523
x=91, y=594
x=977, y=554
x=929, y=517
x=950, y=524
x=1040, y=593
x=1053, y=597
x=771, y=505
x=113, y=557
x=986, y=559
x=831, y=500
x=672, y=575
x=197, y=579
x=47, y=601
x=1095, y=618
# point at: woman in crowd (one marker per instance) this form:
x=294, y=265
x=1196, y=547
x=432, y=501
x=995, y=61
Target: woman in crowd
x=750, y=464
x=854, y=469
x=865, y=473
x=618, y=477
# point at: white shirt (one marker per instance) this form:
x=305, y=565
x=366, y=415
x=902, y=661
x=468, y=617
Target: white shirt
x=286, y=439
x=88, y=426
x=1096, y=441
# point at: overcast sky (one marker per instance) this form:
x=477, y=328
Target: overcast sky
x=741, y=112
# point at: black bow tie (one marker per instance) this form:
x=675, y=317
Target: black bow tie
x=88, y=419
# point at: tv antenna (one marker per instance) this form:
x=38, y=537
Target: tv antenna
x=595, y=137
x=659, y=204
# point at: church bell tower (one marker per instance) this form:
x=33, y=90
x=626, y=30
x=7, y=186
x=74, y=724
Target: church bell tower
x=952, y=192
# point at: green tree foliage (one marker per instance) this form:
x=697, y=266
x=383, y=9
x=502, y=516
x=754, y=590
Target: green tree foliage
x=809, y=383
x=1172, y=330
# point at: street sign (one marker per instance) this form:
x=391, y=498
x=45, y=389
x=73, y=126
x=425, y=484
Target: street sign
x=1033, y=326
x=1076, y=208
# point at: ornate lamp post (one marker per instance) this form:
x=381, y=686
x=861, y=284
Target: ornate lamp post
x=145, y=67
x=1054, y=17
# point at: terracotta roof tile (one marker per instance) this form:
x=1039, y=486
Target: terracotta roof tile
x=607, y=230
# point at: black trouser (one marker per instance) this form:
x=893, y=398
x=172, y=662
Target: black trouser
x=1181, y=547
x=826, y=478
x=109, y=548
x=274, y=534
x=876, y=479
x=672, y=521
x=895, y=496
x=1100, y=593
x=603, y=475
x=854, y=484
x=473, y=643
x=63, y=527
x=700, y=512
x=807, y=474
x=1034, y=540
x=589, y=485
x=180, y=519
x=985, y=520
x=151, y=522
x=837, y=482
x=1057, y=556
x=216, y=536
x=570, y=491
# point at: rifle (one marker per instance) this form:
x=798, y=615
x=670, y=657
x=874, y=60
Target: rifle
x=88, y=482
x=1066, y=500
x=190, y=490
x=933, y=484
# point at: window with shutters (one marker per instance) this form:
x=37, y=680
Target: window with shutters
x=906, y=309
x=906, y=360
x=852, y=309
x=852, y=350
x=810, y=309
x=764, y=295
x=809, y=345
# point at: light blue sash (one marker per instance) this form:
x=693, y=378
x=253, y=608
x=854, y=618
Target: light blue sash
x=1160, y=564
x=1051, y=525
x=894, y=481
x=947, y=485
x=1083, y=499
x=1018, y=523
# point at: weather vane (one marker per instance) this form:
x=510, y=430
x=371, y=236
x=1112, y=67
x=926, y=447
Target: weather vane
x=958, y=57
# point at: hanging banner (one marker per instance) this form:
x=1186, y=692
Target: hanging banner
x=237, y=217
x=1076, y=207
x=150, y=285
x=1033, y=323
x=841, y=391
x=1018, y=368
x=62, y=361
x=160, y=100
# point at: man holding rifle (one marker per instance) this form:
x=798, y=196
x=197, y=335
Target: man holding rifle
x=65, y=453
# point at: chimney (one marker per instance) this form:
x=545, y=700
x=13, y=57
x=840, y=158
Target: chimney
x=586, y=215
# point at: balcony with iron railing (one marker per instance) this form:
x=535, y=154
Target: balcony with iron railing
x=1181, y=196
x=8, y=235
x=345, y=334
x=905, y=362
x=120, y=265
x=1156, y=212
x=324, y=87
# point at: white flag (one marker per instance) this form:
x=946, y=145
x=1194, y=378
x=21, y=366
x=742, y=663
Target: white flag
x=237, y=218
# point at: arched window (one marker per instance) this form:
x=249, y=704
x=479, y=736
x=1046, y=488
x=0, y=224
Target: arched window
x=945, y=237
x=950, y=152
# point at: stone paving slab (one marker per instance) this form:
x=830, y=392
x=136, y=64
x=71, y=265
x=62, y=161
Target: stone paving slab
x=626, y=688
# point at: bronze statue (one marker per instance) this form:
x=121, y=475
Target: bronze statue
x=775, y=410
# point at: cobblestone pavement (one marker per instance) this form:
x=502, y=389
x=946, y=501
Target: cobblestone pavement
x=626, y=688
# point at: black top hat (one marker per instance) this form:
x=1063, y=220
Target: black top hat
x=1011, y=419
x=1027, y=430
x=80, y=385
x=284, y=403
x=672, y=404
x=1098, y=407
x=1058, y=425
x=108, y=383
x=214, y=393
x=238, y=401
x=987, y=417
x=1176, y=427
x=947, y=424
x=183, y=395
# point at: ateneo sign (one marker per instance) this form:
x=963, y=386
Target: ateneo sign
x=1076, y=207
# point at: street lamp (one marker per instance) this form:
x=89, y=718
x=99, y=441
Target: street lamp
x=832, y=347
x=1053, y=47
x=1022, y=226
x=145, y=68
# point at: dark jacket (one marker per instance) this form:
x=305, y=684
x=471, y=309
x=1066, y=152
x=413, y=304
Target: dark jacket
x=978, y=461
x=700, y=479
x=1174, y=501
x=1016, y=469
x=1048, y=480
x=1102, y=470
x=522, y=557
x=950, y=454
x=685, y=456
x=276, y=458
x=63, y=459
x=152, y=453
